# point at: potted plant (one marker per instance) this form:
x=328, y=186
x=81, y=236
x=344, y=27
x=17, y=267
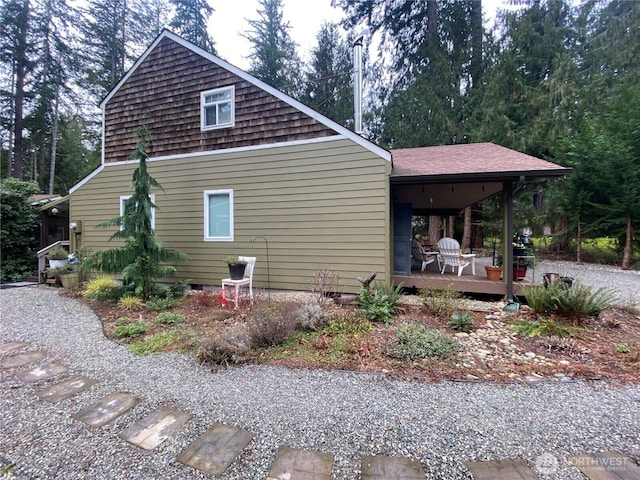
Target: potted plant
x=58, y=257
x=236, y=267
x=494, y=271
x=520, y=266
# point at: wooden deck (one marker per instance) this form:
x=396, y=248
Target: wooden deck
x=466, y=283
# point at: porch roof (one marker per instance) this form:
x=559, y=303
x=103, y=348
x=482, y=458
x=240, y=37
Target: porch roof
x=469, y=162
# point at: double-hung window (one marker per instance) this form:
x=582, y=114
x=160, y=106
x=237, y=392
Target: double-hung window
x=123, y=200
x=217, y=108
x=218, y=215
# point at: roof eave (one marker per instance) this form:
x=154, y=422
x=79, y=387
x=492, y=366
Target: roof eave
x=530, y=176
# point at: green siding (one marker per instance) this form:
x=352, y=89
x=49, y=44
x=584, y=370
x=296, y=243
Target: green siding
x=321, y=205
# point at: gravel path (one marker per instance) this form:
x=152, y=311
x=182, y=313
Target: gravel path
x=625, y=284
x=347, y=414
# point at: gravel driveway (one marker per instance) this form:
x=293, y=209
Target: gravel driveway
x=348, y=414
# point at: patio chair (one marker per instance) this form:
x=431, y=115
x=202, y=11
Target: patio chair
x=419, y=255
x=450, y=254
x=246, y=281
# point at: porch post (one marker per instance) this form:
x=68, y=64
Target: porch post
x=507, y=254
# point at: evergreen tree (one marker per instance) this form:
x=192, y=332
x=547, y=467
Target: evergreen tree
x=142, y=259
x=328, y=86
x=190, y=22
x=15, y=52
x=273, y=56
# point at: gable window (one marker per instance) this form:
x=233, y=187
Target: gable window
x=124, y=198
x=218, y=215
x=217, y=108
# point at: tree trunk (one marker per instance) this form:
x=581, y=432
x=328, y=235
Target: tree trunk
x=54, y=142
x=628, y=245
x=579, y=244
x=476, y=43
x=466, y=231
x=21, y=61
x=435, y=229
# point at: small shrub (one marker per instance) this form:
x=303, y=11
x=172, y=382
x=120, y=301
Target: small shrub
x=580, y=301
x=622, y=348
x=159, y=303
x=130, y=330
x=415, y=341
x=381, y=304
x=462, y=321
x=271, y=325
x=229, y=348
x=168, y=318
x=322, y=284
x=352, y=326
x=441, y=301
x=203, y=299
x=155, y=343
x=130, y=302
x=123, y=321
x=544, y=327
x=575, y=301
x=178, y=289
x=312, y=317
x=102, y=289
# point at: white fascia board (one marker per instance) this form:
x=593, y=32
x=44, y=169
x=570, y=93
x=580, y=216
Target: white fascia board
x=230, y=150
x=363, y=142
x=86, y=179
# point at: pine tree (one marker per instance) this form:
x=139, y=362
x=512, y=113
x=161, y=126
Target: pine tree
x=273, y=56
x=142, y=259
x=329, y=77
x=190, y=22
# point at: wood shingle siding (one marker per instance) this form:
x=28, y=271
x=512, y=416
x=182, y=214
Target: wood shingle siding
x=163, y=93
x=321, y=205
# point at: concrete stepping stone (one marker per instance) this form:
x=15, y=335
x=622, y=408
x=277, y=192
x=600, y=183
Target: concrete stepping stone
x=155, y=428
x=106, y=409
x=8, y=347
x=296, y=464
x=214, y=450
x=68, y=388
x=379, y=467
x=608, y=465
x=21, y=359
x=510, y=469
x=41, y=373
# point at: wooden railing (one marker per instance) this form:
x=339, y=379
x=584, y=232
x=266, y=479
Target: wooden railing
x=42, y=253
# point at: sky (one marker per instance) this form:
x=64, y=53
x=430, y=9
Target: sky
x=305, y=18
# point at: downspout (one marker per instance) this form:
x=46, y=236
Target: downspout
x=508, y=191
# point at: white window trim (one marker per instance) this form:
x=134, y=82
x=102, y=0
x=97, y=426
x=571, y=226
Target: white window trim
x=123, y=198
x=203, y=125
x=207, y=238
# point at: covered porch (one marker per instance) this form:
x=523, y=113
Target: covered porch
x=444, y=180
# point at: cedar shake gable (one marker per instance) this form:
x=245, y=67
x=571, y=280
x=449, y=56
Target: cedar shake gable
x=163, y=91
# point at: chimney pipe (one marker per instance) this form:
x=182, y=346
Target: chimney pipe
x=357, y=81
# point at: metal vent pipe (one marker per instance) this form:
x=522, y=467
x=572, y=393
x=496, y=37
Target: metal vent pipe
x=357, y=82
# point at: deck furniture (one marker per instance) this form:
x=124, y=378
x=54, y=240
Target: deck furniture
x=450, y=254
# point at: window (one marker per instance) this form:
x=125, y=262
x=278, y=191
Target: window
x=218, y=215
x=217, y=108
x=124, y=198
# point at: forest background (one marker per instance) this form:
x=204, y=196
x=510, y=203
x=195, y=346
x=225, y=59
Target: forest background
x=554, y=79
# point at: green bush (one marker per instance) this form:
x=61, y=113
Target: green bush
x=123, y=321
x=168, y=318
x=415, y=341
x=102, y=289
x=159, y=303
x=18, y=227
x=381, y=304
x=576, y=301
x=131, y=330
x=462, y=321
x=441, y=301
x=544, y=327
x=155, y=343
